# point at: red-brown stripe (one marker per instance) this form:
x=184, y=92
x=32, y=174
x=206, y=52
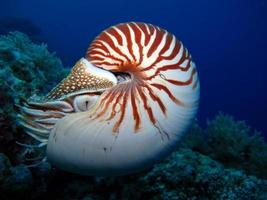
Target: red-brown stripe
x=113, y=32
x=146, y=106
x=126, y=32
x=113, y=111
x=122, y=112
x=147, y=36
x=138, y=33
x=156, y=98
x=135, y=111
x=181, y=83
x=108, y=40
x=168, y=92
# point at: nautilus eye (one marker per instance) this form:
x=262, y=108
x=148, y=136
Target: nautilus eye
x=123, y=107
x=84, y=102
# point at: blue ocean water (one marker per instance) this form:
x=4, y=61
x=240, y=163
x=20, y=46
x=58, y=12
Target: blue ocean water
x=227, y=40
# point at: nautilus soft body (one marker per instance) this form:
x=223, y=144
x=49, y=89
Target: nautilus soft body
x=122, y=108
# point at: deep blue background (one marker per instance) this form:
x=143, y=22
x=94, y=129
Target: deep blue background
x=227, y=39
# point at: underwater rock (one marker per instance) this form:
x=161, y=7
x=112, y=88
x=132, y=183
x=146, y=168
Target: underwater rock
x=20, y=179
x=14, y=181
x=4, y=167
x=42, y=174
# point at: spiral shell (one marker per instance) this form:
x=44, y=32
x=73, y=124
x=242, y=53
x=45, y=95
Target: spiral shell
x=143, y=91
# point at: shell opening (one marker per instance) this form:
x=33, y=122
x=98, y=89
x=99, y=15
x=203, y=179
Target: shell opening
x=122, y=76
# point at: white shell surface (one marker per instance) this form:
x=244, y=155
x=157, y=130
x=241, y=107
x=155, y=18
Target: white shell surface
x=79, y=145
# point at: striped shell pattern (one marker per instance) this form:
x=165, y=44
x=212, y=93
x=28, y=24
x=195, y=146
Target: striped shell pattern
x=123, y=107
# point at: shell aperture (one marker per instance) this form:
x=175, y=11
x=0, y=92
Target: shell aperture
x=145, y=98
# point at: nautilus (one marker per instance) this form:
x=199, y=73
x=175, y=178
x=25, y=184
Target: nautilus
x=123, y=107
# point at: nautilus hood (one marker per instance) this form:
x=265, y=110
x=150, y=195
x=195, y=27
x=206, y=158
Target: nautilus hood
x=123, y=107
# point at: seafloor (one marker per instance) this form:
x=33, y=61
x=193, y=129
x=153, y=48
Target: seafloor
x=226, y=160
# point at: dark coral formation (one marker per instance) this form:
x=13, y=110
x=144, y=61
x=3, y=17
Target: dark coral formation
x=190, y=175
x=213, y=163
x=232, y=143
x=184, y=175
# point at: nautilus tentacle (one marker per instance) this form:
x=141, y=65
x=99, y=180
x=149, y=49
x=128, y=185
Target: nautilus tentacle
x=148, y=96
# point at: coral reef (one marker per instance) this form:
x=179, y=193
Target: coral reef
x=184, y=175
x=190, y=175
x=230, y=142
x=211, y=163
x=25, y=69
x=13, y=180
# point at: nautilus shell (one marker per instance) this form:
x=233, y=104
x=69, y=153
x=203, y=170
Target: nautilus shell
x=122, y=108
